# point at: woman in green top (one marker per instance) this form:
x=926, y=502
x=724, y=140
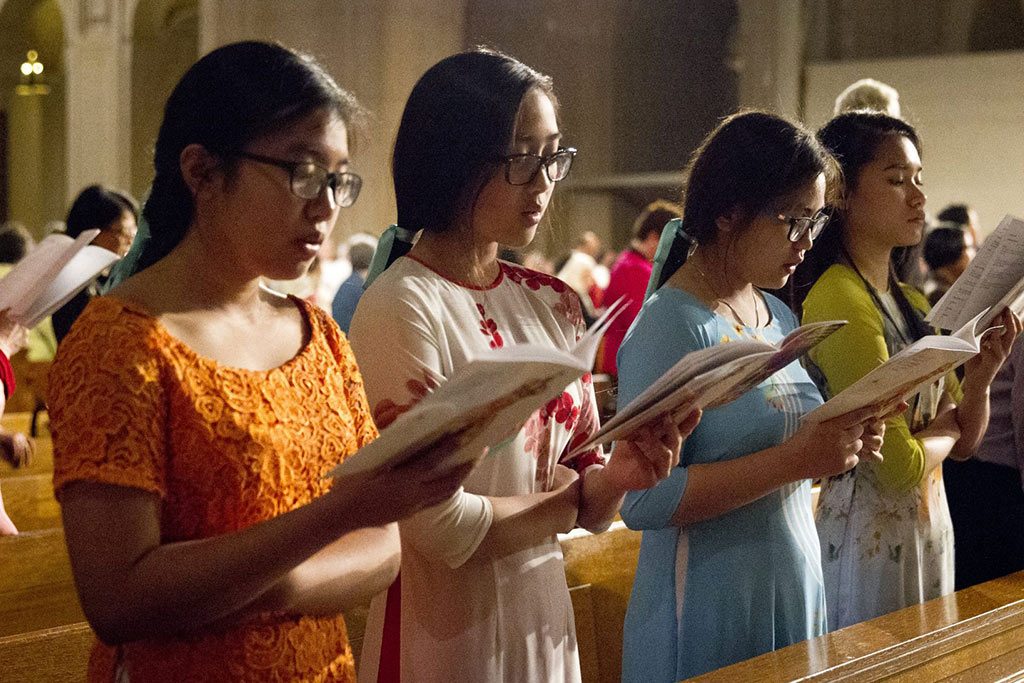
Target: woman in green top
x=885, y=532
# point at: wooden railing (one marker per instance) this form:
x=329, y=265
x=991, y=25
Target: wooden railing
x=975, y=635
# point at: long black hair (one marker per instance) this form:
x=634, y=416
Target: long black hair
x=229, y=98
x=854, y=139
x=749, y=163
x=457, y=124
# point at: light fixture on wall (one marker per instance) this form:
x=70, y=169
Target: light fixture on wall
x=32, y=76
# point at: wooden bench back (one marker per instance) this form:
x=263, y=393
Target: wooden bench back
x=37, y=590
x=54, y=654
x=30, y=503
x=599, y=570
x=42, y=461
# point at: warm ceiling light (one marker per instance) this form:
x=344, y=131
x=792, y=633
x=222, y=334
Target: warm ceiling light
x=31, y=73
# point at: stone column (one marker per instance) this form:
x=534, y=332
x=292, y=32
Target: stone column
x=98, y=69
x=770, y=56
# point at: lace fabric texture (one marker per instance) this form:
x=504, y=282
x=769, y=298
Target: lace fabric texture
x=224, y=448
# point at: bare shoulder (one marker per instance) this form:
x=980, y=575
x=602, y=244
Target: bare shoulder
x=145, y=290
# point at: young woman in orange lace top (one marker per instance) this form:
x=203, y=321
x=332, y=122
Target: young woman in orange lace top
x=194, y=412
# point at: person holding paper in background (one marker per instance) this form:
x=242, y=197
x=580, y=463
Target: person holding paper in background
x=116, y=215
x=885, y=531
x=482, y=594
x=194, y=412
x=729, y=564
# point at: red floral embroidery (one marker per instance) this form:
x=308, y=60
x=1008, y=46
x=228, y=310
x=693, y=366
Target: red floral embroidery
x=533, y=279
x=490, y=328
x=587, y=424
x=569, y=306
x=537, y=435
x=387, y=411
x=562, y=409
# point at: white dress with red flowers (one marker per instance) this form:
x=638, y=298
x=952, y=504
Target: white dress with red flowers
x=451, y=615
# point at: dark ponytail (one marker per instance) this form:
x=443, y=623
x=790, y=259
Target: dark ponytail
x=229, y=98
x=749, y=163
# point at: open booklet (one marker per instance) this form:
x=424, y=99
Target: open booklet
x=484, y=402
x=993, y=281
x=51, y=274
x=711, y=377
x=904, y=373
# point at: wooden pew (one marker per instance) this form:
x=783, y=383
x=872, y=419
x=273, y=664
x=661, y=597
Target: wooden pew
x=976, y=635
x=42, y=461
x=54, y=654
x=36, y=587
x=599, y=570
x=30, y=503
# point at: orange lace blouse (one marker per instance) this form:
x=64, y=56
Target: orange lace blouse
x=224, y=448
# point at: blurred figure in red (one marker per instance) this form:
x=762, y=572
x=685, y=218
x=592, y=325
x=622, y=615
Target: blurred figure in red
x=631, y=272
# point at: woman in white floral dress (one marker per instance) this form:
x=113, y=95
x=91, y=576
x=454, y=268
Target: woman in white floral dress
x=482, y=593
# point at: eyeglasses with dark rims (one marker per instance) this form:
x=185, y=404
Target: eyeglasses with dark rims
x=308, y=179
x=521, y=169
x=801, y=225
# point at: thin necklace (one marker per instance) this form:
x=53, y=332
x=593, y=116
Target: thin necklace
x=718, y=297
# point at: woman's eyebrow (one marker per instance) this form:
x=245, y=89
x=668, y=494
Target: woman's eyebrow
x=303, y=150
x=532, y=138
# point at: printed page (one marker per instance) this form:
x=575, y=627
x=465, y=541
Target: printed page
x=711, y=377
x=21, y=287
x=889, y=383
x=73, y=278
x=483, y=403
x=994, y=279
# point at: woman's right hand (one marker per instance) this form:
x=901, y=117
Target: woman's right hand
x=824, y=449
x=17, y=449
x=13, y=336
x=388, y=494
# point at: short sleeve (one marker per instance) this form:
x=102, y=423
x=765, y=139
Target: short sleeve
x=660, y=336
x=107, y=404
x=355, y=392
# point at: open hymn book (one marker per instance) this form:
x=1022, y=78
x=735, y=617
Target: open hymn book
x=994, y=280
x=490, y=398
x=484, y=402
x=906, y=372
x=711, y=377
x=57, y=269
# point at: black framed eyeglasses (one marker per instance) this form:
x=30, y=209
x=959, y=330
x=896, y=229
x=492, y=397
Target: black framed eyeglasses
x=801, y=225
x=521, y=169
x=307, y=179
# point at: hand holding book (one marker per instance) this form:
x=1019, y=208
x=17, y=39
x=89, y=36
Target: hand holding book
x=995, y=346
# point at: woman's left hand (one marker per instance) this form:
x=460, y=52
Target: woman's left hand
x=995, y=347
x=873, y=437
x=649, y=454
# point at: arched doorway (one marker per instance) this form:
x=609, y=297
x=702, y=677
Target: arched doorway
x=32, y=113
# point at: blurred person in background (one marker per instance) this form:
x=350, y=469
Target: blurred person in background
x=116, y=214
x=948, y=250
x=871, y=95
x=964, y=215
x=360, y=248
x=12, y=339
x=631, y=272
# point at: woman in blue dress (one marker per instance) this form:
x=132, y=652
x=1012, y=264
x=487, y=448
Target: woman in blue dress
x=729, y=564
